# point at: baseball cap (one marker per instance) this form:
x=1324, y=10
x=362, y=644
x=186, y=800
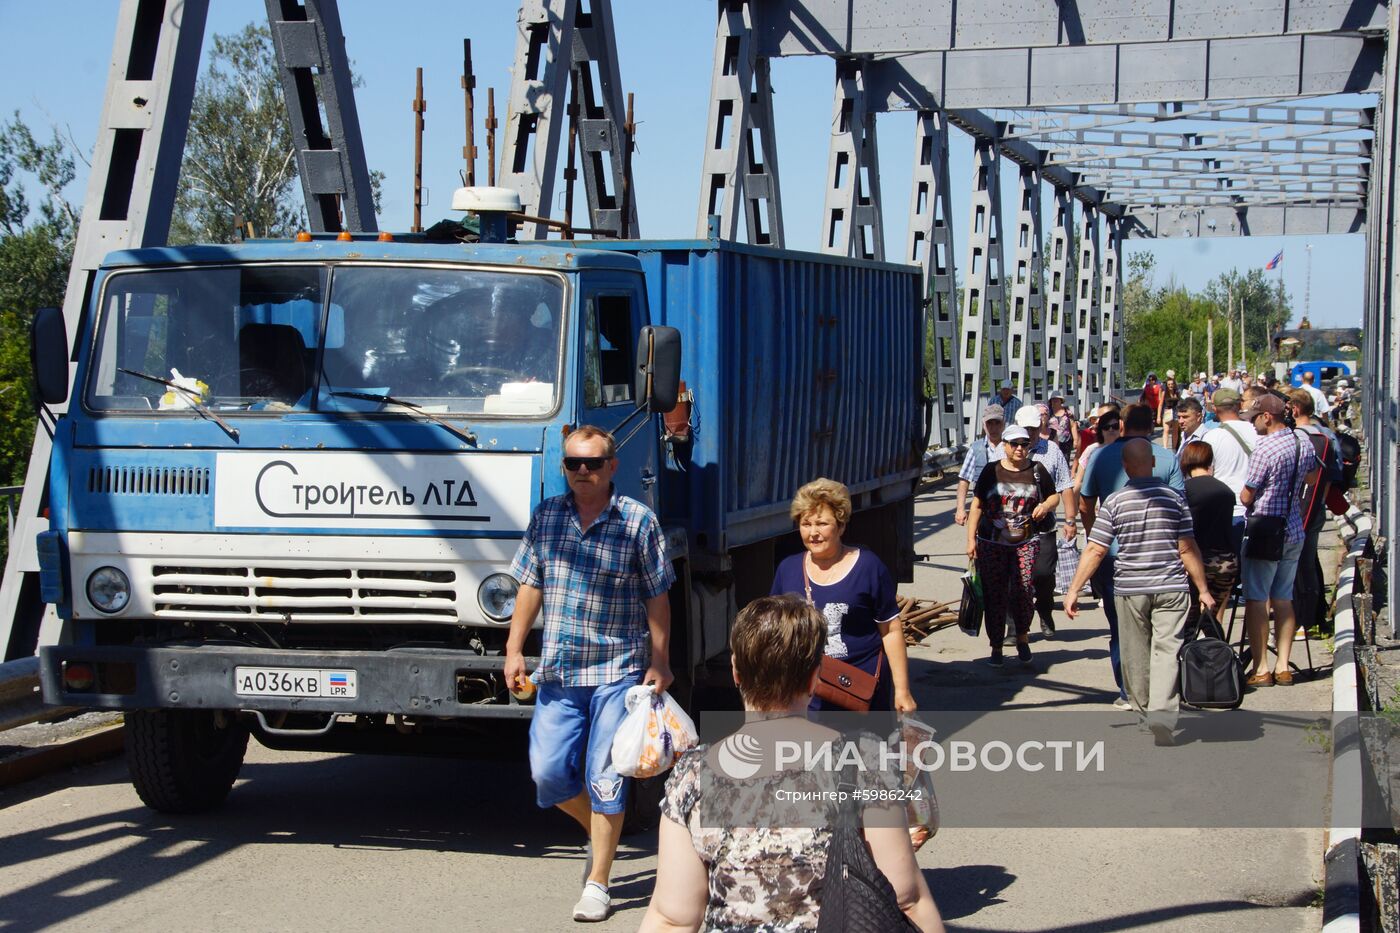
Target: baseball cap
x=1343, y=384
x=1200, y=375
x=1007, y=384
x=1225, y=395
x=993, y=413
x=1264, y=404
x=1057, y=395
x=1171, y=374
x=1028, y=416
x=1015, y=433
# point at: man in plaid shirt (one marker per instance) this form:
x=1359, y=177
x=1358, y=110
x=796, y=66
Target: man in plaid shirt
x=1279, y=465
x=595, y=562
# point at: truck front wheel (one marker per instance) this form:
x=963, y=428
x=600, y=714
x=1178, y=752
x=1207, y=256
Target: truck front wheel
x=183, y=761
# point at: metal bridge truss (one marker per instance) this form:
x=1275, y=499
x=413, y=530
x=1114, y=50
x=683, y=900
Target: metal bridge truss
x=1183, y=119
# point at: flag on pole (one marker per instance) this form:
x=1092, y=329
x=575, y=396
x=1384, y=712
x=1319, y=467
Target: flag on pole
x=1275, y=261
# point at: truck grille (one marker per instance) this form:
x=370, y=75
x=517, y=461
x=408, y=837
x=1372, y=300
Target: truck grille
x=304, y=594
x=149, y=481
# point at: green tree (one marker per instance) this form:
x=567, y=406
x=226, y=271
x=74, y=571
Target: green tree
x=240, y=161
x=36, y=248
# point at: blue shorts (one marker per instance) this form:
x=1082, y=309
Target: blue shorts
x=1271, y=579
x=571, y=738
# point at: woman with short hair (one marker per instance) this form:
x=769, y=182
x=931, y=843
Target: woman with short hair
x=852, y=589
x=730, y=855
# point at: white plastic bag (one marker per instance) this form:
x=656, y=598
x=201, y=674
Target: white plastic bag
x=653, y=734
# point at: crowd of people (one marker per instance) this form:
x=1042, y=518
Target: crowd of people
x=1190, y=497
x=1199, y=489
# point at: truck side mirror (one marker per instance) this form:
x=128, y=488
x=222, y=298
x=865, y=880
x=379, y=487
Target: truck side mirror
x=658, y=368
x=48, y=355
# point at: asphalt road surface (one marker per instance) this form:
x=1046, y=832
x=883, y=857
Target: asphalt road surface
x=310, y=842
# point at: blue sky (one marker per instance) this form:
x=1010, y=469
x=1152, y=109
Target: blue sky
x=55, y=68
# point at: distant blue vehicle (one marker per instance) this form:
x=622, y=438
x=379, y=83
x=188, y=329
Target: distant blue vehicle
x=1324, y=371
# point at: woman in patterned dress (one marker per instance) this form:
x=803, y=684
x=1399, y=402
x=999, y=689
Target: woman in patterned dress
x=732, y=855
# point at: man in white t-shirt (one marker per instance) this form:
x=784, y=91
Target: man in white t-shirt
x=1320, y=404
x=1233, y=382
x=1231, y=444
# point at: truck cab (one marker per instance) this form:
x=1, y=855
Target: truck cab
x=292, y=477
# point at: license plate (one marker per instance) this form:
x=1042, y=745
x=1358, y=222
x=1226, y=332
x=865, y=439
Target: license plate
x=294, y=682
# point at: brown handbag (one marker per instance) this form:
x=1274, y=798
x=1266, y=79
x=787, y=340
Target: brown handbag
x=840, y=683
x=846, y=686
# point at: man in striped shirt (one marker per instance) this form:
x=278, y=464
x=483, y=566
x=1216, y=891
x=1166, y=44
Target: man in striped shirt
x=1157, y=553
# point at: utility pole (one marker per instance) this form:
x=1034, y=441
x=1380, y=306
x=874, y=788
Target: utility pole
x=1210, y=345
x=469, y=89
x=1230, y=324
x=1307, y=289
x=419, y=106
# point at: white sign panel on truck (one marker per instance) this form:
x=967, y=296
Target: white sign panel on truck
x=342, y=489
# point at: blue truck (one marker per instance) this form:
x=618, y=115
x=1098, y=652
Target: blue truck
x=287, y=488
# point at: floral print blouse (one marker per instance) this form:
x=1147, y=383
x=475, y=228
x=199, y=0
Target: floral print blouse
x=766, y=862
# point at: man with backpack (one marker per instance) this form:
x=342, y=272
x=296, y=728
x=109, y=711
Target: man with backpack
x=1307, y=586
x=1150, y=524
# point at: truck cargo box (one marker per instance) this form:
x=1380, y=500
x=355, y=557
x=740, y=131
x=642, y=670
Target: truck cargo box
x=802, y=365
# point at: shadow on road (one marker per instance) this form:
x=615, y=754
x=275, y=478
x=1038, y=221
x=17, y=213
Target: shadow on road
x=346, y=802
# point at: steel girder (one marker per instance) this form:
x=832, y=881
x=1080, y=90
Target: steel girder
x=1287, y=66
x=741, y=148
x=1381, y=348
x=851, y=216
x=316, y=79
x=838, y=27
x=555, y=38
x=1111, y=324
x=930, y=244
x=1086, y=312
x=984, y=295
x=1050, y=121
x=130, y=197
x=1026, y=329
x=1060, y=325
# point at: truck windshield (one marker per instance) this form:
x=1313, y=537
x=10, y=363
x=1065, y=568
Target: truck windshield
x=238, y=337
x=246, y=338
x=447, y=340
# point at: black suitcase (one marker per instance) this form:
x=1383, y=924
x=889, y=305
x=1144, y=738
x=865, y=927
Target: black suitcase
x=1212, y=676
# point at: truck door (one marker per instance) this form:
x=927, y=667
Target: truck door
x=612, y=312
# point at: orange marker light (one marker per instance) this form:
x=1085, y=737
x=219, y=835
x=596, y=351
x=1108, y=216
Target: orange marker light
x=343, y=236
x=385, y=236
x=303, y=237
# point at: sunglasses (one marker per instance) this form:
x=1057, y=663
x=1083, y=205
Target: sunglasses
x=594, y=464
x=1019, y=443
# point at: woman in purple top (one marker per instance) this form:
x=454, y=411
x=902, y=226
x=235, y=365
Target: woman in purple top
x=852, y=589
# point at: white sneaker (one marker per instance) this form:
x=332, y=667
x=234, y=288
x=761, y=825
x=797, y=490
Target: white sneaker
x=594, y=904
x=1120, y=703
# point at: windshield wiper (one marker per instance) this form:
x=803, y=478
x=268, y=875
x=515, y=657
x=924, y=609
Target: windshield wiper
x=468, y=435
x=191, y=397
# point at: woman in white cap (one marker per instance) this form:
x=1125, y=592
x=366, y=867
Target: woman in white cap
x=1013, y=495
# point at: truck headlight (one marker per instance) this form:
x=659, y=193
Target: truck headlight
x=497, y=596
x=108, y=589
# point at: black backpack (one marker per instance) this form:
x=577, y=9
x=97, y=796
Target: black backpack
x=1349, y=451
x=1212, y=676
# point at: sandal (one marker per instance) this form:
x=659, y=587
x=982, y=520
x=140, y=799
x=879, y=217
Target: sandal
x=1265, y=679
x=1284, y=678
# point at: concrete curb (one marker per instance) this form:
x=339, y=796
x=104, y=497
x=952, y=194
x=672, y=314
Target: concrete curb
x=1341, y=903
x=36, y=762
